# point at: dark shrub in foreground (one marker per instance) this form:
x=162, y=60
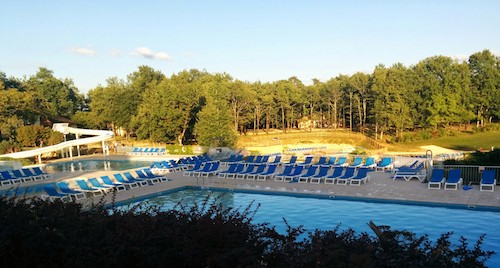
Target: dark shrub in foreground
x=35, y=233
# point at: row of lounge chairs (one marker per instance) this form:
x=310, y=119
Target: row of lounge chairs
x=85, y=188
x=23, y=175
x=184, y=163
x=138, y=151
x=454, y=180
x=383, y=165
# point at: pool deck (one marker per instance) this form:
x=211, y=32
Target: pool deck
x=381, y=187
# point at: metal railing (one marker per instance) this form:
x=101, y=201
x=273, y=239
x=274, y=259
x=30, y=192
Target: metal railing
x=471, y=174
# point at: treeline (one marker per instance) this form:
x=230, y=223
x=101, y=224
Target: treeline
x=212, y=108
x=36, y=233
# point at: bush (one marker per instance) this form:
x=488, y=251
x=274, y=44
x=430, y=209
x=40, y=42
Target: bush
x=205, y=235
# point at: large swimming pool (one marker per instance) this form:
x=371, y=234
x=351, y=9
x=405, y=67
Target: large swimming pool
x=87, y=165
x=324, y=214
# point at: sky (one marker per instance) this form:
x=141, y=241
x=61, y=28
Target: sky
x=263, y=40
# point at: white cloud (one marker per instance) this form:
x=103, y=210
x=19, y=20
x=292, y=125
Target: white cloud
x=461, y=57
x=148, y=53
x=83, y=51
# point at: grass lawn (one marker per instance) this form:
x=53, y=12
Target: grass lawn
x=463, y=142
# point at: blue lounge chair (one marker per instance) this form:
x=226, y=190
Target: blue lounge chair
x=307, y=161
x=277, y=160
x=297, y=171
x=196, y=167
x=437, y=179
x=361, y=177
x=250, y=159
x=107, y=181
x=344, y=179
x=488, y=181
x=232, y=167
x=260, y=169
x=322, y=173
x=369, y=163
x=64, y=187
x=357, y=162
x=19, y=177
x=84, y=187
x=38, y=171
x=241, y=175
x=292, y=161
x=258, y=159
x=132, y=183
x=27, y=172
x=269, y=173
x=97, y=184
x=311, y=171
x=454, y=180
x=205, y=168
x=342, y=162
x=337, y=172
x=321, y=161
x=385, y=164
x=214, y=170
x=286, y=171
x=141, y=175
x=331, y=161
x=53, y=194
x=7, y=179
x=150, y=175
x=408, y=173
x=232, y=174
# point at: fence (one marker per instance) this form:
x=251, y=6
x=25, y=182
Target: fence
x=471, y=174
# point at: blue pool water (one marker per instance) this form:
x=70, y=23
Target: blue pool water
x=326, y=214
x=86, y=165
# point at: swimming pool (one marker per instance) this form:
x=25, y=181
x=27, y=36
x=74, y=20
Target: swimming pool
x=86, y=165
x=324, y=214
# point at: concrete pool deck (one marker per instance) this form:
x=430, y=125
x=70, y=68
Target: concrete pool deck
x=381, y=186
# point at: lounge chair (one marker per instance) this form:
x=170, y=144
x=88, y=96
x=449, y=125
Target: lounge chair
x=264, y=159
x=311, y=171
x=142, y=176
x=97, y=184
x=241, y=175
x=337, y=172
x=323, y=171
x=232, y=174
x=269, y=173
x=260, y=169
x=8, y=179
x=344, y=179
x=207, y=167
x=250, y=159
x=286, y=171
x=35, y=177
x=307, y=161
x=277, y=160
x=385, y=164
x=341, y=162
x=132, y=183
x=437, y=179
x=38, y=171
x=258, y=159
x=361, y=177
x=407, y=173
x=64, y=187
x=358, y=161
x=292, y=161
x=454, y=180
x=294, y=174
x=151, y=176
x=53, y=194
x=331, y=161
x=488, y=181
x=197, y=167
x=214, y=170
x=230, y=169
x=107, y=181
x=321, y=161
x=20, y=177
x=84, y=187
x=369, y=163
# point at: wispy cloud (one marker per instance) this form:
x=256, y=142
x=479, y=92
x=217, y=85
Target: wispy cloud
x=83, y=51
x=148, y=53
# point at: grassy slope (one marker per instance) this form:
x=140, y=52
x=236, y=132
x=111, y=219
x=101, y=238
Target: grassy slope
x=463, y=141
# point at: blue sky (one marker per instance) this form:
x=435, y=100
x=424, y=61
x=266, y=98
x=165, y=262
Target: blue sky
x=90, y=41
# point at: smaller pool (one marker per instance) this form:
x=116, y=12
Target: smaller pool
x=97, y=165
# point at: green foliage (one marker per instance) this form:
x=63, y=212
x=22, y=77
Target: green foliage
x=204, y=235
x=10, y=146
x=32, y=136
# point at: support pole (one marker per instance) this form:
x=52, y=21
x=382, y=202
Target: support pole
x=71, y=152
x=78, y=146
x=39, y=159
